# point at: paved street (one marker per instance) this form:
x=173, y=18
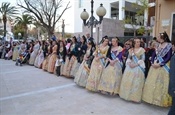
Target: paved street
x=27, y=90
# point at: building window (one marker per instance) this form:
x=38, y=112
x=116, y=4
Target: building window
x=80, y=3
x=114, y=13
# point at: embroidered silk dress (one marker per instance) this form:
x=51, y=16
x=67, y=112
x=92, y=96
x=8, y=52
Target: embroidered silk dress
x=111, y=75
x=133, y=78
x=82, y=74
x=52, y=60
x=34, y=54
x=15, y=52
x=46, y=60
x=156, y=85
x=96, y=69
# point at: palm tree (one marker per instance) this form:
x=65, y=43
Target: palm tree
x=24, y=21
x=7, y=12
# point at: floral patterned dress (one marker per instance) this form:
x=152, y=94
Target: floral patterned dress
x=111, y=75
x=97, y=67
x=133, y=78
x=156, y=86
x=52, y=60
x=83, y=72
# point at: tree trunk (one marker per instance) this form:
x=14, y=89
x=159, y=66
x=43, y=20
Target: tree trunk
x=5, y=22
x=50, y=32
x=25, y=33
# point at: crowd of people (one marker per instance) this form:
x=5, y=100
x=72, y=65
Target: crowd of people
x=136, y=71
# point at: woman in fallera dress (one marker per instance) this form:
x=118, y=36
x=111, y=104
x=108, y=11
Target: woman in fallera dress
x=82, y=47
x=65, y=65
x=61, y=57
x=84, y=69
x=34, y=53
x=133, y=77
x=72, y=57
x=15, y=51
x=37, y=57
x=112, y=74
x=97, y=65
x=156, y=86
x=40, y=56
x=52, y=59
x=48, y=51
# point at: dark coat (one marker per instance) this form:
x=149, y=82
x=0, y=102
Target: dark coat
x=172, y=76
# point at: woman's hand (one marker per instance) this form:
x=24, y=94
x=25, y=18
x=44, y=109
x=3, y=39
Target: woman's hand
x=132, y=65
x=156, y=65
x=97, y=58
x=112, y=62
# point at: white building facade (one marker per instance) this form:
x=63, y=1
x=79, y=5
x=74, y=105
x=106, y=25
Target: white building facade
x=116, y=10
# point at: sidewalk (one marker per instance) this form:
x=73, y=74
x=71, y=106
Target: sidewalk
x=28, y=90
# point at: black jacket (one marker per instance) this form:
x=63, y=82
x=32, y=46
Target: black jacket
x=172, y=77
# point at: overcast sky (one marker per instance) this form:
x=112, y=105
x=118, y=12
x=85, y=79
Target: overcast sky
x=11, y=1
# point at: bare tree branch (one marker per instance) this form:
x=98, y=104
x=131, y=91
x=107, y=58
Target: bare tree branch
x=45, y=11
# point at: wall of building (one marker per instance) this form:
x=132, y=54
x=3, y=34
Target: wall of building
x=109, y=27
x=86, y=4
x=163, y=12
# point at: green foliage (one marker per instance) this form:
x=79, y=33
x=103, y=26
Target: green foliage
x=141, y=6
x=24, y=20
x=22, y=23
x=18, y=29
x=7, y=12
x=141, y=30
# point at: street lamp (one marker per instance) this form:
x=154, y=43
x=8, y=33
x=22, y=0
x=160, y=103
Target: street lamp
x=63, y=26
x=101, y=11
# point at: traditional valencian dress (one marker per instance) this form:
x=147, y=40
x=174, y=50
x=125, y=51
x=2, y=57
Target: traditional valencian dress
x=83, y=71
x=81, y=50
x=65, y=65
x=111, y=75
x=133, y=78
x=96, y=68
x=34, y=54
x=62, y=59
x=156, y=85
x=15, y=52
x=52, y=60
x=71, y=61
x=46, y=60
x=40, y=58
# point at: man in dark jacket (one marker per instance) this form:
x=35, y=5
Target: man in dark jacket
x=171, y=89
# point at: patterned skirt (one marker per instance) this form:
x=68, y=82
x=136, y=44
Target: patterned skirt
x=64, y=67
x=81, y=75
x=132, y=84
x=156, y=88
x=51, y=63
x=94, y=76
x=45, y=63
x=111, y=79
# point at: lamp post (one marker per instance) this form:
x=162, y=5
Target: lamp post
x=101, y=11
x=63, y=26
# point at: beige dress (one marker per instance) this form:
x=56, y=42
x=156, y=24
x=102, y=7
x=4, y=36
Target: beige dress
x=82, y=74
x=96, y=69
x=112, y=75
x=52, y=60
x=133, y=78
